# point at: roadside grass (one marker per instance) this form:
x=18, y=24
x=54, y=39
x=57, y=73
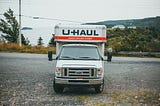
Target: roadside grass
x=136, y=55
x=13, y=47
x=132, y=55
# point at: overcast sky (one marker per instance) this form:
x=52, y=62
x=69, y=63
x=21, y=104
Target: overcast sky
x=81, y=10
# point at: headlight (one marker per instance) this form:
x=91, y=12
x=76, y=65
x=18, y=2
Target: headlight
x=58, y=72
x=99, y=72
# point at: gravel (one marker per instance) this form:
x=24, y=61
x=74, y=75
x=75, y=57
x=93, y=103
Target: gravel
x=26, y=80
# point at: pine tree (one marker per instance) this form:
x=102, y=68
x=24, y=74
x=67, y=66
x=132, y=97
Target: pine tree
x=40, y=41
x=9, y=28
x=52, y=42
x=27, y=41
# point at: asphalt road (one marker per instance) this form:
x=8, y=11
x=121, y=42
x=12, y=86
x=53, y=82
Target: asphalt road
x=26, y=79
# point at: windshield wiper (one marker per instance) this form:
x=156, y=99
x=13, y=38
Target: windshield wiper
x=67, y=57
x=88, y=58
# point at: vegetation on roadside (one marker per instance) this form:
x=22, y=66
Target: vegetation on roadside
x=40, y=41
x=139, y=39
x=13, y=47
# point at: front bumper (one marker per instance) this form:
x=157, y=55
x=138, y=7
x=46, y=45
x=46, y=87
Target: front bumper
x=68, y=81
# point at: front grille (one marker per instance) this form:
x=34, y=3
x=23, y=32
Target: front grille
x=79, y=72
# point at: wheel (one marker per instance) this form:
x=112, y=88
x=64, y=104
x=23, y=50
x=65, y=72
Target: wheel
x=57, y=88
x=99, y=88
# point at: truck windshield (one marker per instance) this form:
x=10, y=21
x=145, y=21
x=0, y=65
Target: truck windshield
x=79, y=53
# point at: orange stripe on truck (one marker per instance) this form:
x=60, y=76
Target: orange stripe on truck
x=94, y=38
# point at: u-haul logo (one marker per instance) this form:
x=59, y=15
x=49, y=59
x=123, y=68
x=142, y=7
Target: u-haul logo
x=80, y=32
x=74, y=34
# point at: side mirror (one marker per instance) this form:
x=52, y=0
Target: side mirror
x=50, y=55
x=109, y=56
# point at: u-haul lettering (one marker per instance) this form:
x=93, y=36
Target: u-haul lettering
x=80, y=32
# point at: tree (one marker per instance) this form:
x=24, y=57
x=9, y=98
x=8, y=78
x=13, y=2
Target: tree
x=10, y=28
x=2, y=40
x=40, y=41
x=27, y=41
x=52, y=42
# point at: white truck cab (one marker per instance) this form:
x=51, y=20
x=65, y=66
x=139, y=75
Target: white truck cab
x=79, y=56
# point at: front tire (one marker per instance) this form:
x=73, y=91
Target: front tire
x=57, y=88
x=99, y=88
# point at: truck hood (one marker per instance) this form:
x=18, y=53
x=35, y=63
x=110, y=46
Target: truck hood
x=79, y=63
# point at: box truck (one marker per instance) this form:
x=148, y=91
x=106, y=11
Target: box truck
x=79, y=56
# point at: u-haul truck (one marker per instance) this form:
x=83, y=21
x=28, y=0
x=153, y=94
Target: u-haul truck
x=79, y=56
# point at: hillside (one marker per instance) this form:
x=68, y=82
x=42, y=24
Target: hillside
x=153, y=22
x=139, y=39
